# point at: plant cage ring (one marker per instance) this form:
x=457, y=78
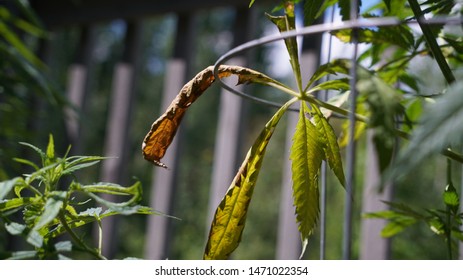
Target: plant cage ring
x=315, y=29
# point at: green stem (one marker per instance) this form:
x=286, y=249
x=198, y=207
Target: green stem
x=432, y=43
x=77, y=240
x=100, y=235
x=343, y=112
x=448, y=232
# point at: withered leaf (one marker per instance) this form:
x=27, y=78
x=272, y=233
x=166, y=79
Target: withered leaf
x=163, y=130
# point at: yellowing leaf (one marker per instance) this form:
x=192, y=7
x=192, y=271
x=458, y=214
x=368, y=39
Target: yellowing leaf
x=306, y=157
x=230, y=216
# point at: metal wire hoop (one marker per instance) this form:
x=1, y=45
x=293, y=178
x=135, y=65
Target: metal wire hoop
x=315, y=29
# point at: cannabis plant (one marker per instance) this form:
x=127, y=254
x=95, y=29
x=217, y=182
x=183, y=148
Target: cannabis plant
x=49, y=202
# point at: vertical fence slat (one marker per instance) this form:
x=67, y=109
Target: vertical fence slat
x=372, y=245
x=163, y=186
x=117, y=136
x=351, y=147
x=78, y=85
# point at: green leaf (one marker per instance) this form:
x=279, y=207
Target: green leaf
x=436, y=225
x=63, y=246
x=7, y=186
x=51, y=149
x=360, y=127
x=384, y=106
x=306, y=157
x=251, y=3
x=14, y=203
x=331, y=147
x=22, y=24
x=51, y=209
x=230, y=216
x=135, y=191
x=339, y=66
x=397, y=225
x=38, y=150
x=440, y=127
x=93, y=214
x=23, y=255
x=451, y=198
x=9, y=36
x=339, y=100
x=287, y=23
x=400, y=36
x=338, y=84
x=111, y=188
x=345, y=7
x=35, y=239
x=15, y=228
x=312, y=11
x=75, y=163
x=27, y=162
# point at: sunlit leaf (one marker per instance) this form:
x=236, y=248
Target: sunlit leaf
x=436, y=225
x=23, y=255
x=339, y=66
x=7, y=186
x=63, y=246
x=287, y=23
x=331, y=147
x=306, y=157
x=91, y=212
x=400, y=36
x=51, y=209
x=135, y=191
x=451, y=198
x=230, y=216
x=339, y=100
x=34, y=238
x=89, y=216
x=51, y=149
x=75, y=163
x=15, y=228
x=14, y=203
x=163, y=130
x=337, y=84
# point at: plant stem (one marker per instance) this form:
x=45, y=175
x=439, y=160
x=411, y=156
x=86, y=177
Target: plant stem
x=432, y=43
x=77, y=240
x=448, y=231
x=100, y=235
